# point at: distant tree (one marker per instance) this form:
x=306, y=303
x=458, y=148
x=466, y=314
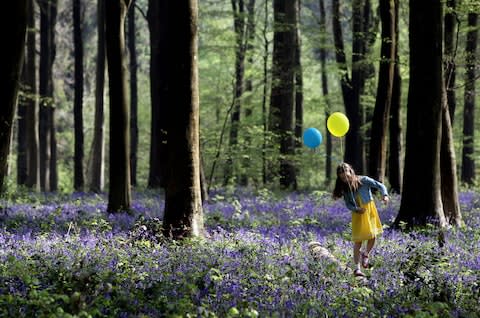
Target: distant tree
x=32, y=108
x=241, y=38
x=46, y=118
x=79, y=181
x=395, y=128
x=282, y=100
x=266, y=174
x=448, y=166
x=381, y=112
x=298, y=129
x=10, y=72
x=157, y=17
x=468, y=158
x=352, y=87
x=421, y=201
x=450, y=36
x=119, y=198
x=448, y=171
x=23, y=103
x=97, y=153
x=325, y=92
x=132, y=41
x=183, y=215
x=248, y=104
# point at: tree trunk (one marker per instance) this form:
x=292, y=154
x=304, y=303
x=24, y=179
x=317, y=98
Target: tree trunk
x=133, y=94
x=421, y=201
x=381, y=113
x=119, y=198
x=240, y=48
x=32, y=101
x=22, y=170
x=79, y=182
x=324, y=77
x=282, y=94
x=183, y=215
x=353, y=149
x=10, y=71
x=98, y=143
x=395, y=128
x=266, y=173
x=468, y=158
x=298, y=80
x=448, y=170
x=449, y=55
x=47, y=140
x=158, y=18
x=248, y=105
x=354, y=140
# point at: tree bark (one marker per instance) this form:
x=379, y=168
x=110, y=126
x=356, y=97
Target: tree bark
x=47, y=138
x=158, y=20
x=468, y=150
x=132, y=40
x=421, y=201
x=448, y=170
x=324, y=77
x=32, y=101
x=395, y=128
x=183, y=215
x=79, y=181
x=282, y=94
x=248, y=105
x=98, y=143
x=239, y=18
x=10, y=71
x=381, y=113
x=119, y=198
x=449, y=55
x=22, y=170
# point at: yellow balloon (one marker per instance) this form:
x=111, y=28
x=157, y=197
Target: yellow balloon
x=338, y=124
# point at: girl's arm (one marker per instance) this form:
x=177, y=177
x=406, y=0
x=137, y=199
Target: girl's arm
x=375, y=184
x=350, y=202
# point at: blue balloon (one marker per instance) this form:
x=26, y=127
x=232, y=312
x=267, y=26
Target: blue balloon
x=312, y=138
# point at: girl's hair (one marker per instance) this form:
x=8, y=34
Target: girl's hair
x=352, y=184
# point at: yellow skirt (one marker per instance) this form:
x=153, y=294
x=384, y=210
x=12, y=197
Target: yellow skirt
x=366, y=225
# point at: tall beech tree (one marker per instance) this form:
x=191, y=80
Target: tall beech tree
x=119, y=198
x=421, y=201
x=32, y=101
x=46, y=117
x=78, y=178
x=381, y=113
x=10, y=70
x=96, y=168
x=241, y=38
x=157, y=17
x=468, y=158
x=352, y=85
x=132, y=44
x=282, y=101
x=395, y=127
x=323, y=53
x=183, y=215
x=450, y=45
x=448, y=166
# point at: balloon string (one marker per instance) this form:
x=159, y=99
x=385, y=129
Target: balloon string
x=341, y=148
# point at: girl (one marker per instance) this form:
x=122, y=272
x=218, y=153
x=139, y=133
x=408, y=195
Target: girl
x=366, y=225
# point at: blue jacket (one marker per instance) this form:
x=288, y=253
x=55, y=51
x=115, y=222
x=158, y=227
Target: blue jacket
x=364, y=191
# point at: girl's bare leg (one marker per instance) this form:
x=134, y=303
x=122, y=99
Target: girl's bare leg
x=356, y=254
x=370, y=244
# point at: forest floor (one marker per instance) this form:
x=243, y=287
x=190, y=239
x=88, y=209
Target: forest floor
x=64, y=256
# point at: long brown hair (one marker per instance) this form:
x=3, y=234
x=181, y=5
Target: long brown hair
x=342, y=187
